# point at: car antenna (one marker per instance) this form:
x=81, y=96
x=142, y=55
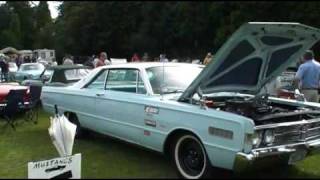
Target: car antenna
x=162, y=83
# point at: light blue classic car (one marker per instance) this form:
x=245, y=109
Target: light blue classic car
x=202, y=117
x=29, y=71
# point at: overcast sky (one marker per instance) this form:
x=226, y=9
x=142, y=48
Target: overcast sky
x=53, y=5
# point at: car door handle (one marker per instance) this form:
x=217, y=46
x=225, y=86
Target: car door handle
x=98, y=94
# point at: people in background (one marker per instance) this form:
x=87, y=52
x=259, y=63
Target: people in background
x=207, y=59
x=156, y=59
x=95, y=61
x=67, y=60
x=54, y=62
x=90, y=62
x=27, y=59
x=145, y=57
x=105, y=58
x=18, y=60
x=163, y=58
x=101, y=60
x=308, y=77
x=4, y=69
x=135, y=58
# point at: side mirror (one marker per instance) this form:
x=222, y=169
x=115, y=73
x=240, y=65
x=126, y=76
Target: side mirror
x=298, y=95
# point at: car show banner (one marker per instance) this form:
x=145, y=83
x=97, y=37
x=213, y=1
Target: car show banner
x=68, y=167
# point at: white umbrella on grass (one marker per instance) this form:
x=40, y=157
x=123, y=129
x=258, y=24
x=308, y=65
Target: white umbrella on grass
x=62, y=133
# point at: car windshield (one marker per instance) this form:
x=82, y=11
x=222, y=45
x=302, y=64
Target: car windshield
x=173, y=79
x=30, y=67
x=75, y=74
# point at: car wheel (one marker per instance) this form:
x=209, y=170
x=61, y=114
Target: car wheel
x=190, y=157
x=80, y=132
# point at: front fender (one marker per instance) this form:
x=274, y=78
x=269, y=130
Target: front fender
x=222, y=133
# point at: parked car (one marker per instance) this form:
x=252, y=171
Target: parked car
x=6, y=87
x=29, y=71
x=61, y=75
x=202, y=117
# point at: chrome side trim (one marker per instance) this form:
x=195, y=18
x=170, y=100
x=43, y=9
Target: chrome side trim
x=276, y=150
x=268, y=126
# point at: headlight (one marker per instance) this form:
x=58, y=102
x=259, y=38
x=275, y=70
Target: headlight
x=268, y=136
x=256, y=139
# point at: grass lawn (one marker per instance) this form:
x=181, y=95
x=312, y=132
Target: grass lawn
x=104, y=157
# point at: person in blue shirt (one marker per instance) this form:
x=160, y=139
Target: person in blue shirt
x=308, y=77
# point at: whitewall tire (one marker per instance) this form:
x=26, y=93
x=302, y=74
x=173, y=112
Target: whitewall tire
x=190, y=157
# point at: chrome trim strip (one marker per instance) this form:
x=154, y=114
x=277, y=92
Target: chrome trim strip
x=275, y=150
x=287, y=133
x=313, y=137
x=268, y=126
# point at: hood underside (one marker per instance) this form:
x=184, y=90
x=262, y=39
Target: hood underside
x=253, y=56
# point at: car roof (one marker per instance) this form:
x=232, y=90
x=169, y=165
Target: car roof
x=65, y=67
x=30, y=63
x=144, y=65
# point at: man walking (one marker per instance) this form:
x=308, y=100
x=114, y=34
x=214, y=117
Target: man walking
x=4, y=69
x=308, y=77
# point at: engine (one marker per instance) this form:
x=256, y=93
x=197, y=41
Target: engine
x=262, y=110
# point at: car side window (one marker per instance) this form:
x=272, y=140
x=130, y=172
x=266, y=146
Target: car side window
x=98, y=81
x=47, y=75
x=126, y=80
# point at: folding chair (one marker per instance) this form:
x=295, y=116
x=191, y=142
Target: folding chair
x=32, y=108
x=13, y=103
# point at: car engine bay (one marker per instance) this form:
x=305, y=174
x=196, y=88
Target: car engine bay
x=261, y=109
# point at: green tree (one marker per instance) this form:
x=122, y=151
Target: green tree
x=12, y=35
x=43, y=26
x=42, y=14
x=179, y=29
x=25, y=15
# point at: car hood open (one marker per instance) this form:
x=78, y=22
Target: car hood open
x=254, y=55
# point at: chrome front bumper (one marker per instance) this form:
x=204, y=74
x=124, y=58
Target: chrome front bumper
x=244, y=159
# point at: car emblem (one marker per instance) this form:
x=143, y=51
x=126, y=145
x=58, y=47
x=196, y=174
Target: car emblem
x=151, y=110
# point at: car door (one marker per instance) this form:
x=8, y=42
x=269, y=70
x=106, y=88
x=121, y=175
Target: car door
x=121, y=107
x=88, y=97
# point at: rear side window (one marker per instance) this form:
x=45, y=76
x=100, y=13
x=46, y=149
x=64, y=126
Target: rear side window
x=125, y=80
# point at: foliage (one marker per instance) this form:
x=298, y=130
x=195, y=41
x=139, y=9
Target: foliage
x=180, y=29
x=44, y=27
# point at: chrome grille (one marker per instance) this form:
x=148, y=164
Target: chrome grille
x=297, y=133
